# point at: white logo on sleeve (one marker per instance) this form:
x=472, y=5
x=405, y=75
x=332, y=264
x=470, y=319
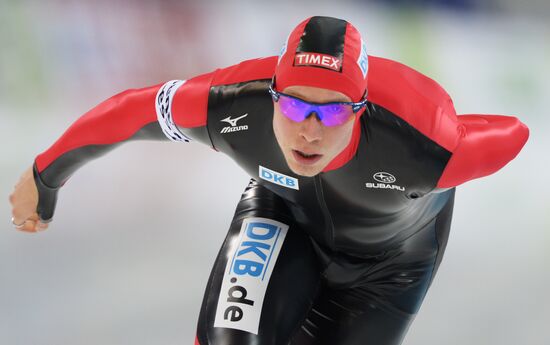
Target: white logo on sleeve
x=249, y=266
x=385, y=180
x=233, y=124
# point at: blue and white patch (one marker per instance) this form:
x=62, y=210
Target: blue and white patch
x=247, y=273
x=283, y=49
x=163, y=105
x=278, y=178
x=363, y=60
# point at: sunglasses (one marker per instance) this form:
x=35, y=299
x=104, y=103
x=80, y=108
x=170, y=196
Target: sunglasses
x=330, y=114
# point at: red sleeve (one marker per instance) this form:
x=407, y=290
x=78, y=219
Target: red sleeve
x=479, y=144
x=190, y=103
x=415, y=98
x=487, y=143
x=112, y=121
x=128, y=115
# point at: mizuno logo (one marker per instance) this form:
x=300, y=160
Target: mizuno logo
x=233, y=124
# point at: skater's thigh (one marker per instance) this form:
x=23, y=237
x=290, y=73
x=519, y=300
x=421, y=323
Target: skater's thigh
x=264, y=279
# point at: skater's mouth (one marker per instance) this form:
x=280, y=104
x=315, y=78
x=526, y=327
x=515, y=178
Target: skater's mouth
x=306, y=158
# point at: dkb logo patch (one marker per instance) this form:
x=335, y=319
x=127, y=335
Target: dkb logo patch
x=247, y=274
x=278, y=178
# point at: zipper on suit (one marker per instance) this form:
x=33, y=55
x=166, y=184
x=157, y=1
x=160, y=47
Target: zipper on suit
x=324, y=208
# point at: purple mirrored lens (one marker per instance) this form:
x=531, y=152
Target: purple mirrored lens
x=335, y=114
x=329, y=114
x=294, y=109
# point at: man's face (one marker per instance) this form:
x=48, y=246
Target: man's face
x=309, y=146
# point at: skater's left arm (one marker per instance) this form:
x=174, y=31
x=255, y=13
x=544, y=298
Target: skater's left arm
x=486, y=143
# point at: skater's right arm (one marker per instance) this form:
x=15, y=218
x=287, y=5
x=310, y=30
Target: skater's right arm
x=136, y=114
x=160, y=112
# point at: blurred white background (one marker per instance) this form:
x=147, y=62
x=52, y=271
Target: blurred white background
x=135, y=233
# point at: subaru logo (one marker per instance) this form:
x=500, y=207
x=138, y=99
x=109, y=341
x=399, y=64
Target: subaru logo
x=384, y=177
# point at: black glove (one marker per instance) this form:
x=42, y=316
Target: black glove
x=47, y=198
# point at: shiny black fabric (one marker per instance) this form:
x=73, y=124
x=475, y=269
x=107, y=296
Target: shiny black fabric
x=359, y=255
x=317, y=296
x=350, y=215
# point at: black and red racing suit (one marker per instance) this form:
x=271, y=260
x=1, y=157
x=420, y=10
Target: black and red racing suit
x=344, y=257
